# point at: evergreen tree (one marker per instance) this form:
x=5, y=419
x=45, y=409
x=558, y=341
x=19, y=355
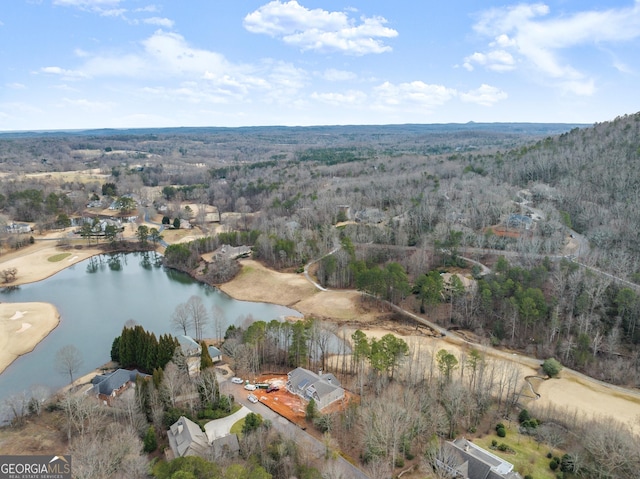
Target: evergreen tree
x=311, y=411
x=115, y=350
x=205, y=357
x=150, y=441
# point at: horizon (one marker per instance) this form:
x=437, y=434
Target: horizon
x=204, y=127
x=126, y=64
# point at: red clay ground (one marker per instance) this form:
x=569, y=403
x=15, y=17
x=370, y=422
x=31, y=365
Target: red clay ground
x=291, y=406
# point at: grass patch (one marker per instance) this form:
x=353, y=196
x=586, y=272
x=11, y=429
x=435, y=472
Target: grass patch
x=529, y=458
x=237, y=427
x=58, y=257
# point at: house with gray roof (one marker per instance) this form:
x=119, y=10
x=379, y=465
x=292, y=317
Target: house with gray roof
x=466, y=460
x=215, y=353
x=187, y=439
x=323, y=388
x=519, y=221
x=189, y=346
x=226, y=446
x=109, y=386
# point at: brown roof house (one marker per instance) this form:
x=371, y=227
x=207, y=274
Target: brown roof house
x=323, y=388
x=466, y=460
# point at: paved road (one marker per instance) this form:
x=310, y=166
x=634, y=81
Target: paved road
x=303, y=439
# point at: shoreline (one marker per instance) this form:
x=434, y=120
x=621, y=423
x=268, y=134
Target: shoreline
x=24, y=325
x=38, y=319
x=255, y=282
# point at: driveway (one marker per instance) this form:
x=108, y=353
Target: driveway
x=222, y=427
x=289, y=430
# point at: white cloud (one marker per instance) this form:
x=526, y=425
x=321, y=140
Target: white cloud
x=486, y=95
x=412, y=95
x=68, y=74
x=531, y=37
x=16, y=86
x=332, y=75
x=351, y=97
x=496, y=60
x=85, y=3
x=147, y=9
x=104, y=8
x=83, y=103
x=161, y=22
x=173, y=70
x=577, y=87
x=320, y=30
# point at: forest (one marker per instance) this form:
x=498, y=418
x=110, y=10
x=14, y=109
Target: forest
x=550, y=210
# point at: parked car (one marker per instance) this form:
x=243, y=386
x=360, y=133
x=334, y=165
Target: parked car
x=236, y=380
x=250, y=387
x=272, y=388
x=252, y=398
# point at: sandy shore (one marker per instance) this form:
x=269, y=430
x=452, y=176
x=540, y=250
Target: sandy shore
x=257, y=283
x=22, y=327
x=33, y=262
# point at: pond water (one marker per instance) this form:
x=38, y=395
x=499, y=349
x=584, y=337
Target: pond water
x=96, y=297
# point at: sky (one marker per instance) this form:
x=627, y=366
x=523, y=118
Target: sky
x=81, y=64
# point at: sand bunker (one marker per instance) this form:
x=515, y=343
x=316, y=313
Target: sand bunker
x=43, y=318
x=23, y=328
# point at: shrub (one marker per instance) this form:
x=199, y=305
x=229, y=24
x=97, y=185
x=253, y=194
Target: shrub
x=501, y=432
x=567, y=463
x=504, y=447
x=150, y=441
x=523, y=416
x=551, y=367
x=553, y=465
x=252, y=421
x=323, y=422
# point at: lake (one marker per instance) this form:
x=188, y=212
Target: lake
x=96, y=297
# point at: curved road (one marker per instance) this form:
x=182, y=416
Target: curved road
x=529, y=361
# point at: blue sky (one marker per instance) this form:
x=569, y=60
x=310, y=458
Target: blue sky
x=74, y=64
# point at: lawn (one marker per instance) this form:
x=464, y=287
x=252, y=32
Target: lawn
x=237, y=427
x=58, y=257
x=529, y=457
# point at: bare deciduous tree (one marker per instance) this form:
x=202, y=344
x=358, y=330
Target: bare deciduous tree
x=8, y=275
x=68, y=361
x=181, y=319
x=116, y=453
x=198, y=316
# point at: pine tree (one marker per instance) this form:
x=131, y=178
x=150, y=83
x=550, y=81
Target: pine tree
x=205, y=357
x=150, y=441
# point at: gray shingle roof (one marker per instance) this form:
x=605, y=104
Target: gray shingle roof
x=106, y=383
x=187, y=439
x=305, y=383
